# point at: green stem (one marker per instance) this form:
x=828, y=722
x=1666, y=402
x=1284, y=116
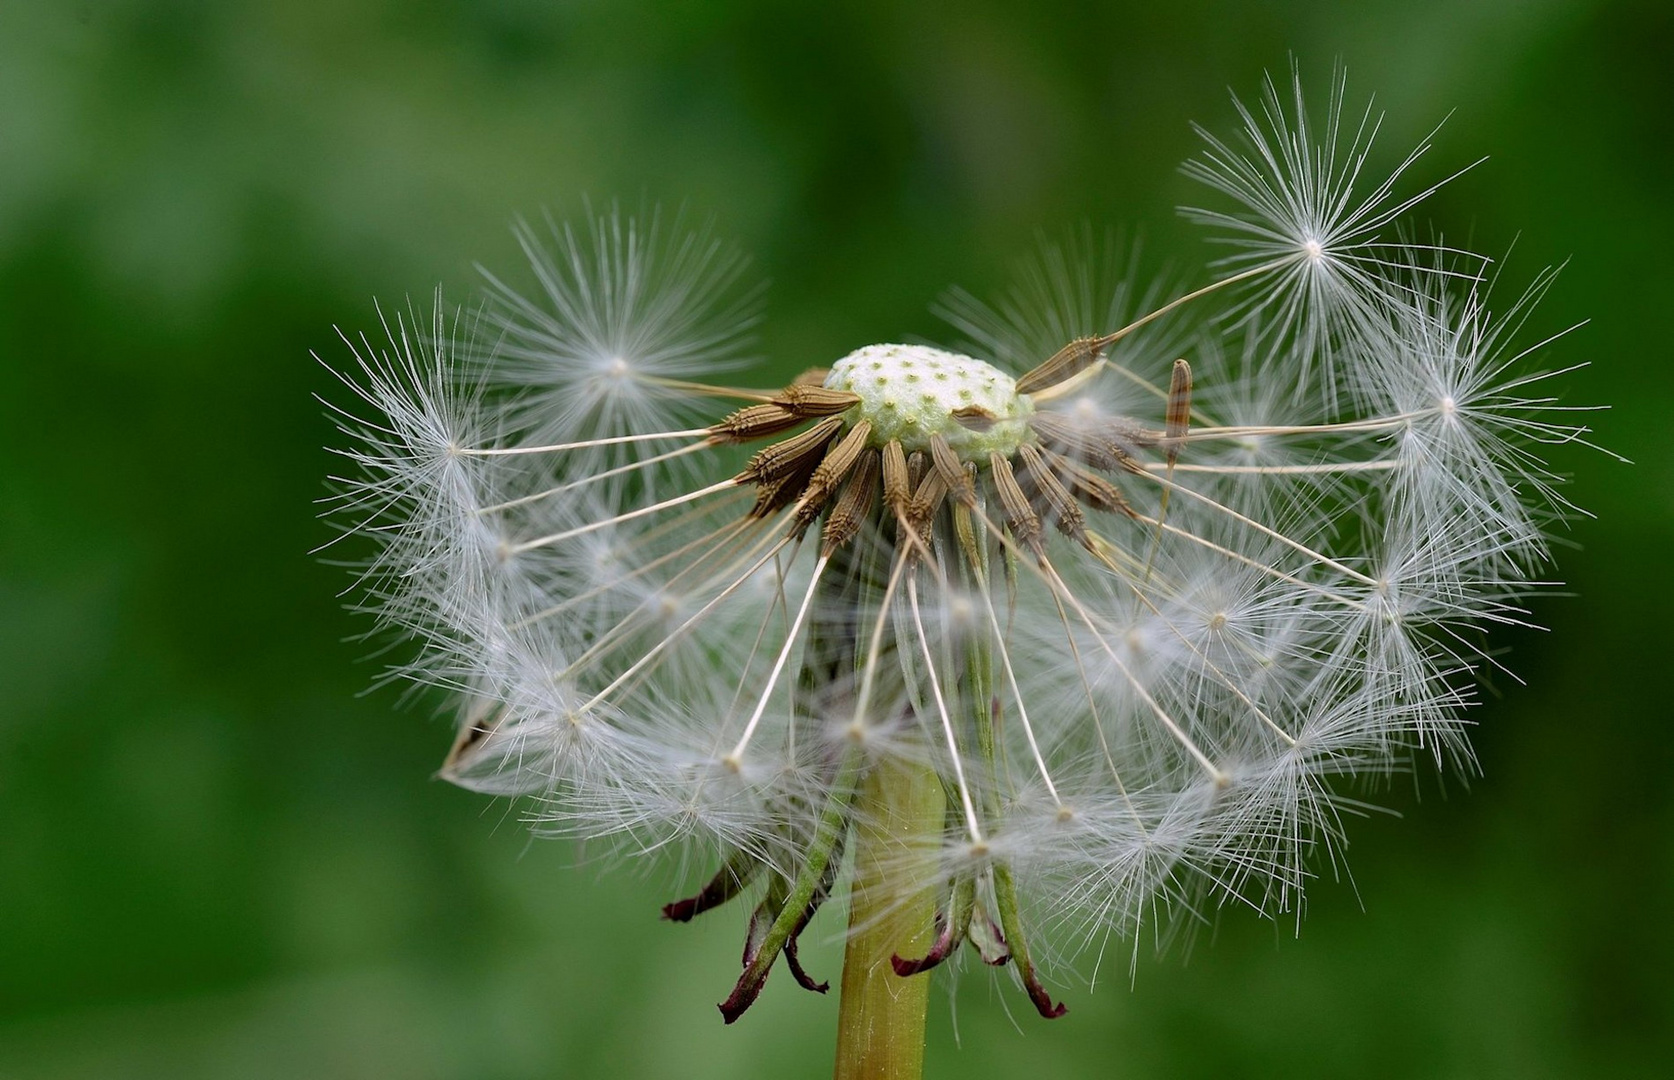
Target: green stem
x=897, y=822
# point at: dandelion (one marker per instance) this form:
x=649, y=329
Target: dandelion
x=1047, y=639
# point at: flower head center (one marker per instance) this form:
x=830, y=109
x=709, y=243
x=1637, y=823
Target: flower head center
x=910, y=393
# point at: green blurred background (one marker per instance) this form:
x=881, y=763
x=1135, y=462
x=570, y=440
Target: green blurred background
x=216, y=860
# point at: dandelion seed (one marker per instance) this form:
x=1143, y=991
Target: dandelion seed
x=1062, y=633
x=1305, y=201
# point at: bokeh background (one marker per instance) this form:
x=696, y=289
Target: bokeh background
x=219, y=859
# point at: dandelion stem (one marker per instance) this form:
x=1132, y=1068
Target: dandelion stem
x=898, y=814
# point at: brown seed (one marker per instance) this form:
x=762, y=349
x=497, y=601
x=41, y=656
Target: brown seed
x=805, y=448
x=776, y=494
x=897, y=485
x=1021, y=519
x=1066, y=363
x=931, y=493
x=1073, y=438
x=809, y=401
x=1179, y=408
x=952, y=471
x=482, y=718
x=755, y=422
x=1092, y=489
x=1053, y=500
x=831, y=471
x=1104, y=443
x=854, y=505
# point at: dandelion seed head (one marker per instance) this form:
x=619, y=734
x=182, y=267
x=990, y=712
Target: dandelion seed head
x=1127, y=579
